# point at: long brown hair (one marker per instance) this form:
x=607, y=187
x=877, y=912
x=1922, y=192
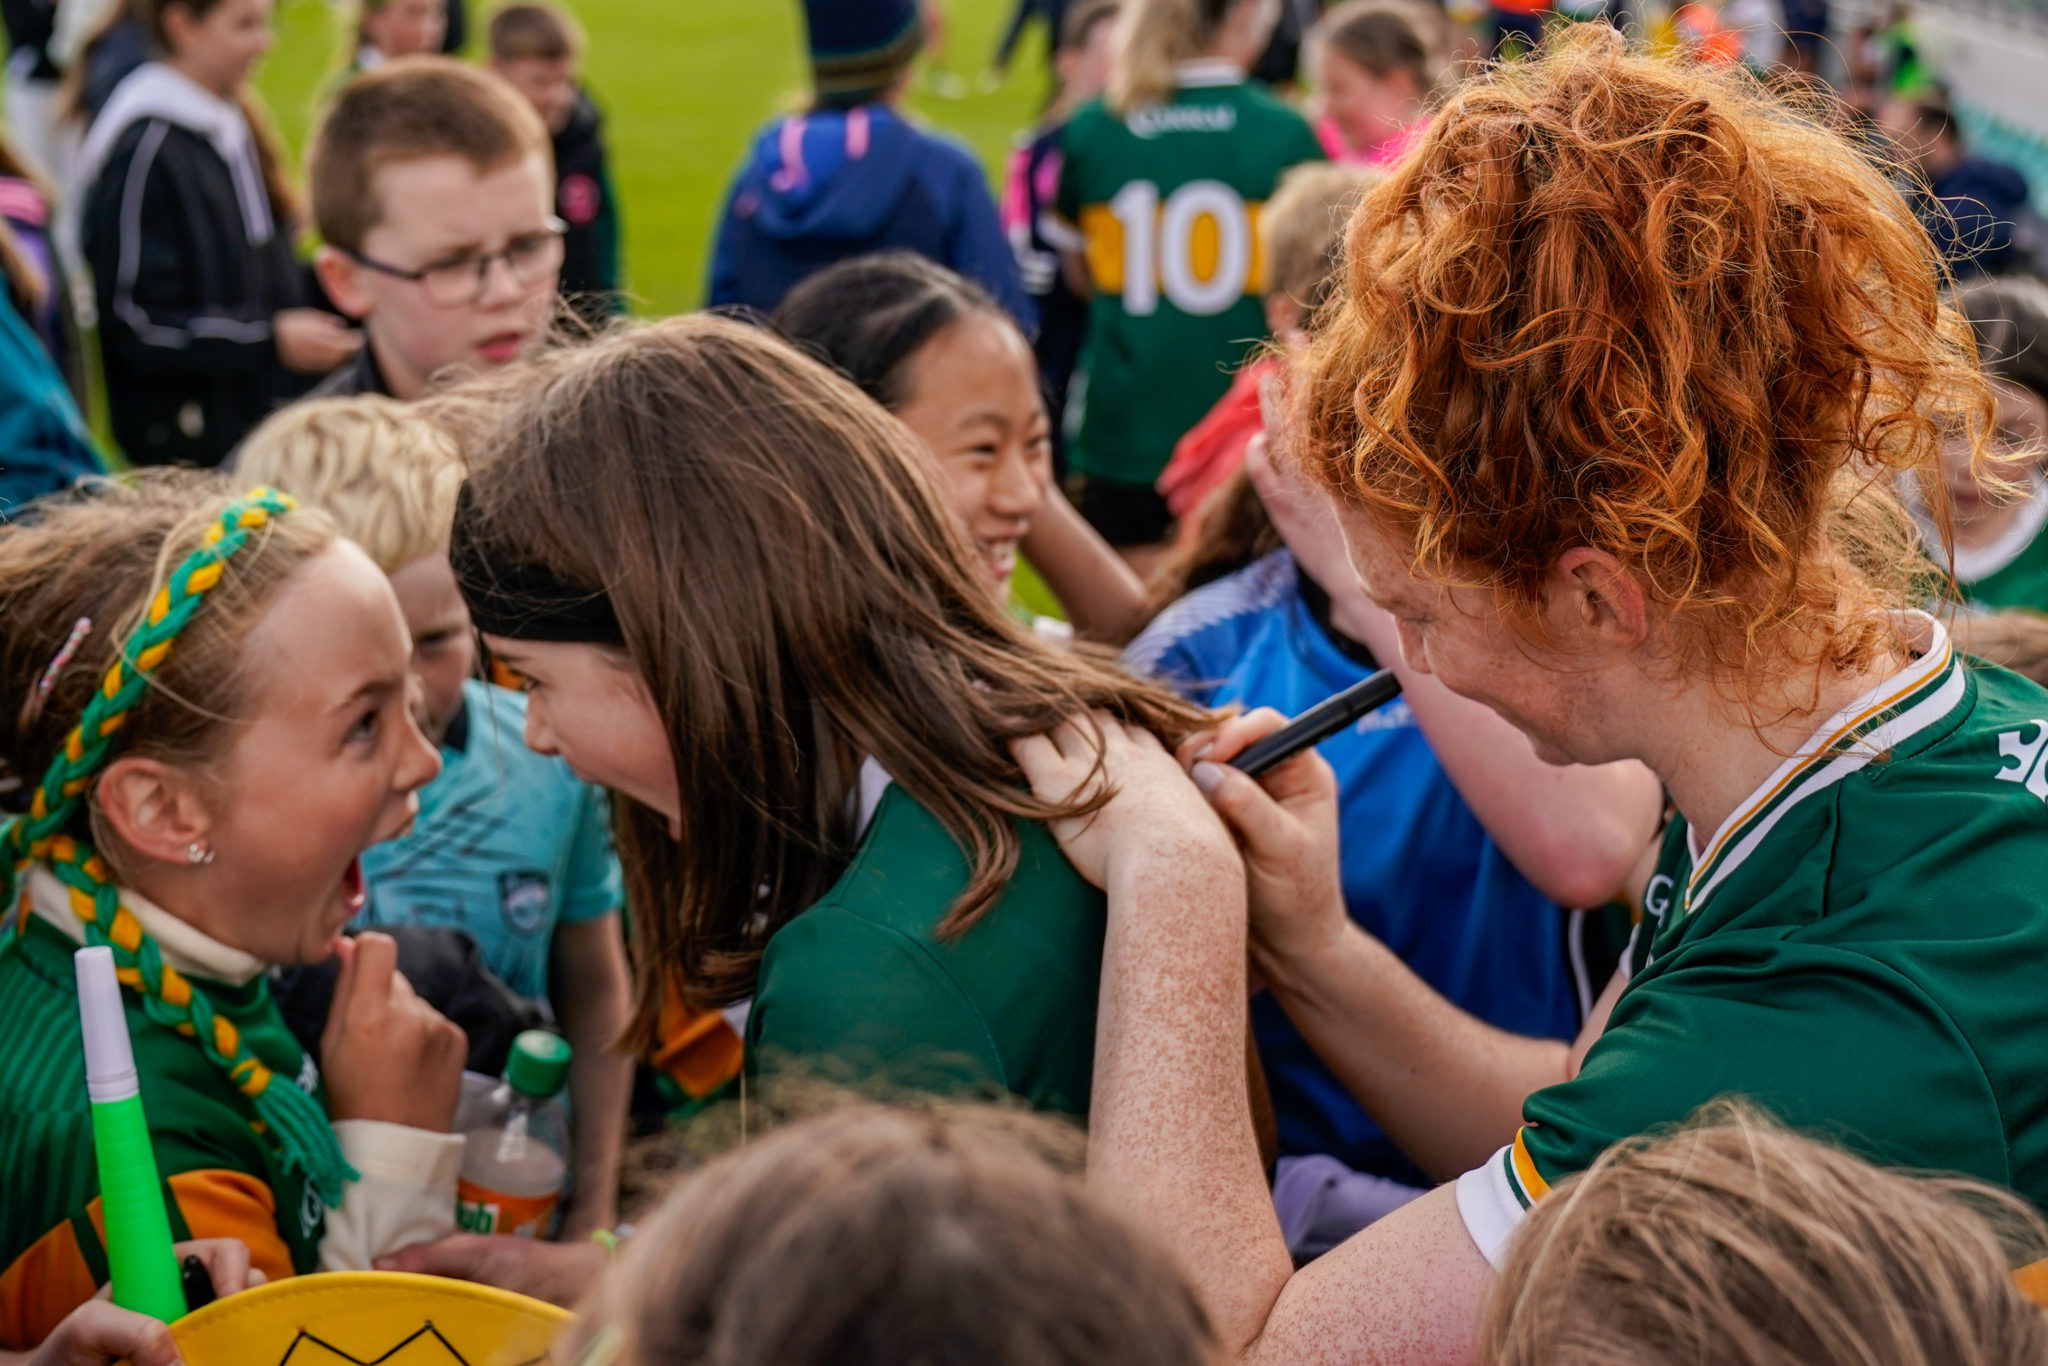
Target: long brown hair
x=1738, y=1243
x=1644, y=306
x=793, y=591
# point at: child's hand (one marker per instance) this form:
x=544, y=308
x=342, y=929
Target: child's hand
x=98, y=1332
x=311, y=342
x=386, y=1053
x=1155, y=810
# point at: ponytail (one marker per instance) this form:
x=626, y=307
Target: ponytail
x=1153, y=38
x=295, y=1118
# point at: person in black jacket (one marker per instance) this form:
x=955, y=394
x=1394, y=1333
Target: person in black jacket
x=187, y=226
x=537, y=49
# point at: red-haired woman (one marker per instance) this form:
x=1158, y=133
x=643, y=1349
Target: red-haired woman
x=1628, y=356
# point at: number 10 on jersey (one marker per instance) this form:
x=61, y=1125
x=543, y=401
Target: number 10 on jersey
x=1200, y=248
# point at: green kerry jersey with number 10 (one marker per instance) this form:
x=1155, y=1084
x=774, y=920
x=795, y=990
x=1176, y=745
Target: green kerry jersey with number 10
x=1165, y=204
x=1857, y=950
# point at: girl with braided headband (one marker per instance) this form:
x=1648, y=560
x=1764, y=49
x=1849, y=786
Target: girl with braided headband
x=204, y=702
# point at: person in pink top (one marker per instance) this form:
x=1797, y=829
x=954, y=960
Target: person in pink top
x=1374, y=73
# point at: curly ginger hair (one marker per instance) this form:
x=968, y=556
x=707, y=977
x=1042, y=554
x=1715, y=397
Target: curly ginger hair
x=1649, y=307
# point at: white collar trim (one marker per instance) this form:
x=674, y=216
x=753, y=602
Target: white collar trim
x=183, y=947
x=1831, y=754
x=1206, y=72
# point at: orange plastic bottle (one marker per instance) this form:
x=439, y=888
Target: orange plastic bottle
x=515, y=1159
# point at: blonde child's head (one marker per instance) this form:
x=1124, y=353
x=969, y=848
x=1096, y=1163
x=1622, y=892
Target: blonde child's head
x=1738, y=1243
x=208, y=712
x=971, y=1247
x=388, y=477
x=1303, y=228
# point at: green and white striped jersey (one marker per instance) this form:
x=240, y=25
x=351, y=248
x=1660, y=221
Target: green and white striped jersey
x=1857, y=950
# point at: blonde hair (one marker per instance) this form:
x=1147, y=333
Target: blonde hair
x=975, y=1239
x=1155, y=36
x=385, y=474
x=1738, y=1243
x=1303, y=227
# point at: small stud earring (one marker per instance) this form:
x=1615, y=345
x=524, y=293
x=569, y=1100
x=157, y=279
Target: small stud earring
x=196, y=852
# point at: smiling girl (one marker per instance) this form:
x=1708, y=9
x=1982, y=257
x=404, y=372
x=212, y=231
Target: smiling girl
x=940, y=353
x=738, y=600
x=206, y=841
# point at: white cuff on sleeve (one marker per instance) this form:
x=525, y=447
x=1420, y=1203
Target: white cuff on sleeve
x=406, y=1194
x=1488, y=1205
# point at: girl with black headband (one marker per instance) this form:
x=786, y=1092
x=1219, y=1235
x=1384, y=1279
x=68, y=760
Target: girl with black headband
x=736, y=598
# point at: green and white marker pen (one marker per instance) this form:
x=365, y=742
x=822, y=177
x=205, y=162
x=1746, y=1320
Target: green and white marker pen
x=143, y=1267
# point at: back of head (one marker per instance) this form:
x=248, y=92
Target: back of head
x=521, y=33
x=868, y=316
x=861, y=49
x=2009, y=316
x=102, y=555
x=1303, y=228
x=410, y=110
x=1738, y=1243
x=1642, y=306
x=1155, y=37
x=893, y=1237
x=1381, y=37
x=385, y=474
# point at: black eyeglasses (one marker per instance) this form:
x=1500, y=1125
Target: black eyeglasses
x=459, y=280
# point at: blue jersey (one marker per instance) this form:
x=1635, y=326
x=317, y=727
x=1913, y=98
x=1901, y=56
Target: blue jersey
x=508, y=845
x=1420, y=873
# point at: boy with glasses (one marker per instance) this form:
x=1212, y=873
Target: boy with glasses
x=433, y=190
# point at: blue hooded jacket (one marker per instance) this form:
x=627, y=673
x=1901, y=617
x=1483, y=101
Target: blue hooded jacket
x=826, y=186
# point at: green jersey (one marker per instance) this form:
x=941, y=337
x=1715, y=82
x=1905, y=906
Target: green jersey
x=1165, y=203
x=1855, y=950
x=861, y=987
x=222, y=1178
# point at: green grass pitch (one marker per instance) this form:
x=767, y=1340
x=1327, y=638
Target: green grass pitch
x=686, y=84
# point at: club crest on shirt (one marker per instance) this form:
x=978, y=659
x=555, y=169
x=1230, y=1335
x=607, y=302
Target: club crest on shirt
x=580, y=199
x=525, y=896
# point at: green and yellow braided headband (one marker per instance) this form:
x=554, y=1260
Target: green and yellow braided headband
x=304, y=1137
